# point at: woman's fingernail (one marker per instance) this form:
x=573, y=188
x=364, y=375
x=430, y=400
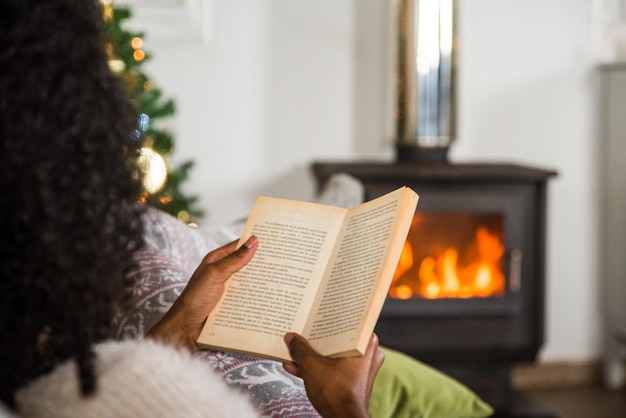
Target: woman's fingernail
x=251, y=242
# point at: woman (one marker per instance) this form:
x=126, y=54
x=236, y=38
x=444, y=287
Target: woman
x=70, y=225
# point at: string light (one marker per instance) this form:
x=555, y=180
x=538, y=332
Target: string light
x=117, y=66
x=139, y=55
x=136, y=42
x=152, y=165
x=107, y=10
x=154, y=170
x=183, y=216
x=143, y=199
x=144, y=122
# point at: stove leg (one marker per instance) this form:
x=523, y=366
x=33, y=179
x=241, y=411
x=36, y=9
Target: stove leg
x=614, y=363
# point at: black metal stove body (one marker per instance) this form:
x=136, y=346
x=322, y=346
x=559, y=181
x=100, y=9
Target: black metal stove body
x=476, y=339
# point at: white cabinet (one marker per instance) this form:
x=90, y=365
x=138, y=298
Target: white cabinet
x=613, y=218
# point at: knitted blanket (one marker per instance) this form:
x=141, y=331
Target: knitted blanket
x=172, y=252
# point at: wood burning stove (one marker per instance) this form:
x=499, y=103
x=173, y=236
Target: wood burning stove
x=468, y=296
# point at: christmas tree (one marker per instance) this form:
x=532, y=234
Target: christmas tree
x=163, y=181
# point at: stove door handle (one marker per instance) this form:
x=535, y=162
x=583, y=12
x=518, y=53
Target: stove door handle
x=515, y=271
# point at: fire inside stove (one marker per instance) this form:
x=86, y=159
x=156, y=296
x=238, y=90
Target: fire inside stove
x=452, y=255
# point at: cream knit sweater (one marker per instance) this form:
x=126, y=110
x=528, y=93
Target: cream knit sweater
x=136, y=379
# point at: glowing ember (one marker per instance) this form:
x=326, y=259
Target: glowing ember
x=441, y=274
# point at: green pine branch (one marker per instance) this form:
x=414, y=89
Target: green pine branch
x=149, y=100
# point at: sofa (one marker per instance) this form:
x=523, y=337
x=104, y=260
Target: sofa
x=404, y=386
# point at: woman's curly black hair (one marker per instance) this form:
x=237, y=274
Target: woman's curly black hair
x=68, y=186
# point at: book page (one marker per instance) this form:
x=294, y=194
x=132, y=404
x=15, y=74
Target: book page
x=274, y=293
x=358, y=268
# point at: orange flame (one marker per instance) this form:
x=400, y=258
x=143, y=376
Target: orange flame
x=440, y=276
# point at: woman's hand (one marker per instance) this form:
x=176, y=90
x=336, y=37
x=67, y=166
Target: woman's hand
x=336, y=387
x=182, y=324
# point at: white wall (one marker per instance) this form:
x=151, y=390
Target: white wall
x=284, y=82
x=528, y=95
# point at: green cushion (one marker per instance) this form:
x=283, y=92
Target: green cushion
x=407, y=388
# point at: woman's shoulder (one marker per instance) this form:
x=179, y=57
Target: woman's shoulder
x=136, y=378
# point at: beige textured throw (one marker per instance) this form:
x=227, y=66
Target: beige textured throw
x=136, y=379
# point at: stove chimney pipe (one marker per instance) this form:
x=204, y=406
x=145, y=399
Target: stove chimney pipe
x=424, y=79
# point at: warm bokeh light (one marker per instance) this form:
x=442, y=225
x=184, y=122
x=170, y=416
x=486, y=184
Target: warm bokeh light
x=183, y=216
x=148, y=85
x=143, y=199
x=117, y=66
x=165, y=199
x=107, y=9
x=154, y=170
x=136, y=42
x=139, y=55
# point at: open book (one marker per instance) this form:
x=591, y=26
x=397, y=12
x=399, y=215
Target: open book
x=319, y=270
